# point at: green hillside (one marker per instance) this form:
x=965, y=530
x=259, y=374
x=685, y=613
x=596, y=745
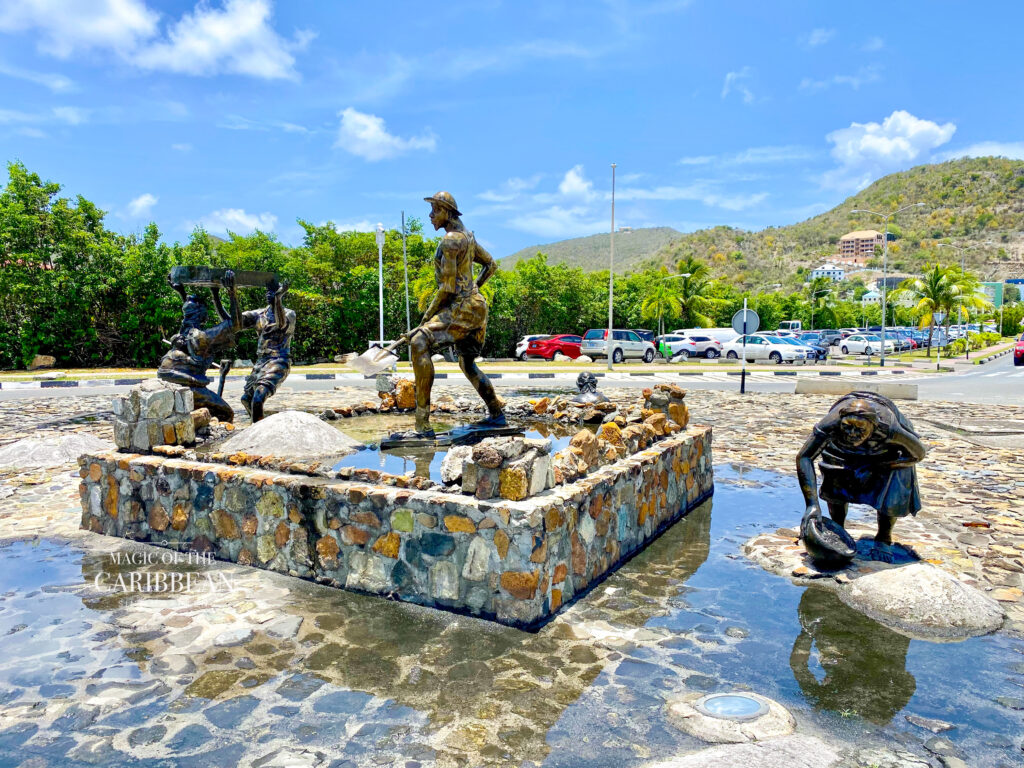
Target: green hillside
x=968, y=201
x=591, y=253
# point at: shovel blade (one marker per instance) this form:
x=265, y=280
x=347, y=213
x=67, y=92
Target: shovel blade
x=372, y=361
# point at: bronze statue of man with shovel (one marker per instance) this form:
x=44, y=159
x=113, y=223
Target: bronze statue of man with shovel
x=456, y=317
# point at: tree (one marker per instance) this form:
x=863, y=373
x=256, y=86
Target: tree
x=661, y=300
x=936, y=292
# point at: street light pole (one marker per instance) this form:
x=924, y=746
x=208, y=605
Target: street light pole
x=885, y=262
x=405, y=269
x=611, y=278
x=380, y=277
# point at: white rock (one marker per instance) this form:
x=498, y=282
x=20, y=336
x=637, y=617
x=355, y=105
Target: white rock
x=477, y=556
x=922, y=600
x=51, y=450
x=794, y=751
x=233, y=637
x=451, y=465
x=437, y=358
x=560, y=358
x=584, y=359
x=291, y=433
x=49, y=376
x=444, y=581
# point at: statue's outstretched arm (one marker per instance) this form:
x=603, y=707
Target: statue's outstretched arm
x=806, y=474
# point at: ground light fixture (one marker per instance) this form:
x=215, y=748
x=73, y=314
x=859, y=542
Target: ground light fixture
x=731, y=706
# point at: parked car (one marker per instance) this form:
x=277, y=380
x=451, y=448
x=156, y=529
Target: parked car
x=828, y=337
x=625, y=343
x=524, y=343
x=866, y=344
x=645, y=335
x=762, y=347
x=812, y=353
x=900, y=339
x=791, y=325
x=707, y=346
x=1018, y=351
x=548, y=346
x=724, y=335
x=676, y=347
x=817, y=343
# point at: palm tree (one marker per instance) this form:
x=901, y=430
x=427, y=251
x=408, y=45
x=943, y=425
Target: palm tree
x=693, y=292
x=937, y=292
x=661, y=300
x=968, y=296
x=822, y=299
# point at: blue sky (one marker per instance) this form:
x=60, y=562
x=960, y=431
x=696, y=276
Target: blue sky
x=249, y=113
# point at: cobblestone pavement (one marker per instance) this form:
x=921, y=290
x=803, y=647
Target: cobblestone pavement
x=321, y=677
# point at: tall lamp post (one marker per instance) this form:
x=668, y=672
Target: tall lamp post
x=611, y=278
x=380, y=278
x=818, y=293
x=405, y=269
x=962, y=250
x=885, y=260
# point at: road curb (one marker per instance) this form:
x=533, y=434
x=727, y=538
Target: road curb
x=571, y=376
x=996, y=356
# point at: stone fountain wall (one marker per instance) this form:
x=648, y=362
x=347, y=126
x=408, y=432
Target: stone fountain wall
x=516, y=562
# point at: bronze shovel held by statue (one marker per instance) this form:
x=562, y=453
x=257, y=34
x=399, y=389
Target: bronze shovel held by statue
x=377, y=359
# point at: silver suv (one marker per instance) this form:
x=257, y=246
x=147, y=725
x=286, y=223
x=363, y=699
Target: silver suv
x=624, y=344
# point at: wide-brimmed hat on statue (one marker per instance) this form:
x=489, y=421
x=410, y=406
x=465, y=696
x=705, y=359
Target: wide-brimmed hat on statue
x=446, y=201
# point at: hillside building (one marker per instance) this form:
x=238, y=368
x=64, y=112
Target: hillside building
x=849, y=261
x=860, y=243
x=871, y=297
x=833, y=272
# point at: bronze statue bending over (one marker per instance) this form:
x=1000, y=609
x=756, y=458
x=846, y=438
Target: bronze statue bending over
x=193, y=348
x=868, y=450
x=276, y=326
x=457, y=314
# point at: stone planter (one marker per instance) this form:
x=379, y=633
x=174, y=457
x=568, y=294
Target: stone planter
x=515, y=562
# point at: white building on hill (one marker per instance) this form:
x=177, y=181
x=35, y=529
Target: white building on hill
x=833, y=272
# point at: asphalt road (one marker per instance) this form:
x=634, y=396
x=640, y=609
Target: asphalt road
x=997, y=383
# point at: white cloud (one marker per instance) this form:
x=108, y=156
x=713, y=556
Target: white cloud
x=235, y=39
x=510, y=189
x=697, y=192
x=66, y=27
x=820, y=37
x=236, y=220
x=71, y=115
x=363, y=225
x=56, y=83
x=866, y=151
x=559, y=221
x=873, y=44
x=864, y=75
x=366, y=136
x=1013, y=150
x=181, y=147
x=736, y=82
x=574, y=186
x=142, y=205
x=753, y=156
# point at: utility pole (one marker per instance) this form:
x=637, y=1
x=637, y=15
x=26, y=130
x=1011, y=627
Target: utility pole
x=885, y=262
x=380, y=278
x=405, y=269
x=611, y=278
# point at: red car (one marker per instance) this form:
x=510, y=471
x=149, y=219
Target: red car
x=1018, y=351
x=567, y=344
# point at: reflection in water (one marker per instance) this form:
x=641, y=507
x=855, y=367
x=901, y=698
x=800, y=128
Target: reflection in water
x=487, y=690
x=864, y=662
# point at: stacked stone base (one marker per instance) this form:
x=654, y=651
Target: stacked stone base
x=515, y=562
x=154, y=413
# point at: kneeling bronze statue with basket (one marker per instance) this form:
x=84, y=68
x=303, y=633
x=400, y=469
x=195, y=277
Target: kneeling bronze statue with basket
x=868, y=451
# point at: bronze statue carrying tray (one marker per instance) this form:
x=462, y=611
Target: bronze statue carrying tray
x=210, y=277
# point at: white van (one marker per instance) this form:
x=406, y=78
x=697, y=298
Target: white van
x=723, y=335
x=794, y=326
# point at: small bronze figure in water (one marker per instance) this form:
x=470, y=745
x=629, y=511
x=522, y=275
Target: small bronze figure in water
x=193, y=348
x=586, y=383
x=868, y=450
x=456, y=315
x=276, y=326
